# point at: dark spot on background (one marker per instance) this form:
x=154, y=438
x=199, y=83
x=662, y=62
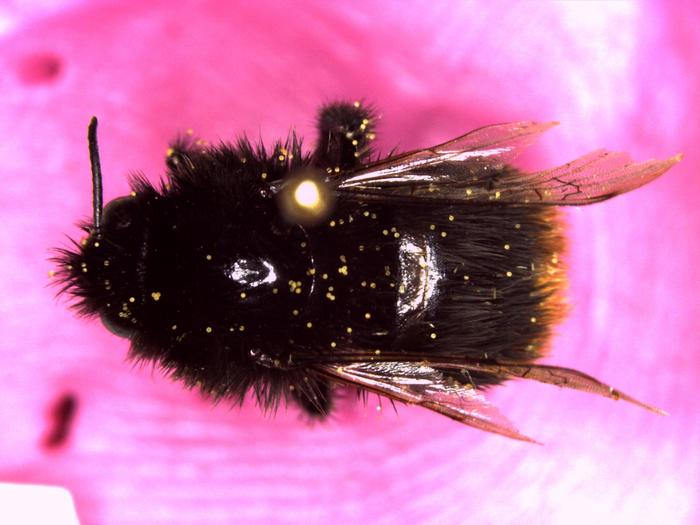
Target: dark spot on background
x=40, y=68
x=61, y=417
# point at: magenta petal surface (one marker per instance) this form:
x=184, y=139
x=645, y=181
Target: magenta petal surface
x=624, y=76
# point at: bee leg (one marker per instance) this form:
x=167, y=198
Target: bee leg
x=316, y=400
x=345, y=132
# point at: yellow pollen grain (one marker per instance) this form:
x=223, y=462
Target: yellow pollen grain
x=348, y=330
x=517, y=226
x=397, y=235
x=309, y=324
x=402, y=289
x=450, y=218
x=365, y=213
x=356, y=103
x=506, y=246
x=498, y=194
x=509, y=274
x=468, y=192
x=333, y=344
x=241, y=328
x=343, y=270
x=133, y=194
x=263, y=175
x=106, y=262
x=208, y=329
x=466, y=277
x=372, y=285
x=275, y=291
x=156, y=296
x=51, y=273
x=368, y=315
x=132, y=299
x=432, y=227
x=97, y=244
x=385, y=232
x=443, y=234
x=208, y=257
x=173, y=327
x=332, y=224
x=324, y=276
x=433, y=335
x=295, y=312
x=243, y=295
x=533, y=319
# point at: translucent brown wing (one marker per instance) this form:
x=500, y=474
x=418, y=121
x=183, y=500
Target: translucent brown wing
x=418, y=384
x=553, y=375
x=477, y=168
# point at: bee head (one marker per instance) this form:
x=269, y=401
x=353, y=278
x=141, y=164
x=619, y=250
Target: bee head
x=101, y=271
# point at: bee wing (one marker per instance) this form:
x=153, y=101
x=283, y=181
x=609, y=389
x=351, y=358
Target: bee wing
x=549, y=374
x=418, y=384
x=553, y=375
x=476, y=168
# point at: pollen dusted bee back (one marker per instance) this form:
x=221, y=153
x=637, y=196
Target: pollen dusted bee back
x=423, y=276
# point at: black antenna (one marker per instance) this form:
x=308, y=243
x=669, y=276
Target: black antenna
x=96, y=175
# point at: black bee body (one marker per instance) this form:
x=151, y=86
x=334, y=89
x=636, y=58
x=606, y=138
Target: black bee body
x=400, y=288
x=429, y=281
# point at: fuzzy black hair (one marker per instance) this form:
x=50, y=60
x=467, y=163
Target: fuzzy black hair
x=209, y=281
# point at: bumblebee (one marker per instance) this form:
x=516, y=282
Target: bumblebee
x=424, y=276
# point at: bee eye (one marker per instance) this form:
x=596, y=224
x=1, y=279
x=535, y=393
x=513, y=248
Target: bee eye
x=118, y=214
x=119, y=326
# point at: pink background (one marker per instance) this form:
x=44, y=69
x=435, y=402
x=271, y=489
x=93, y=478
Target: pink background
x=144, y=450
